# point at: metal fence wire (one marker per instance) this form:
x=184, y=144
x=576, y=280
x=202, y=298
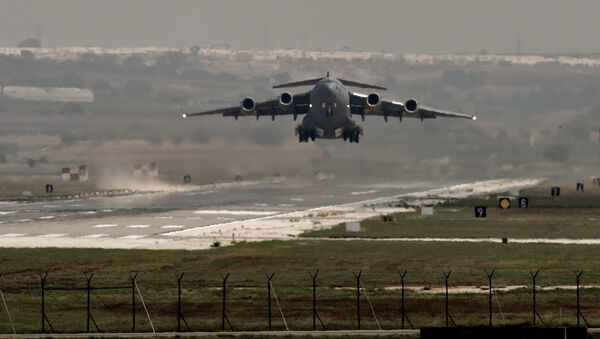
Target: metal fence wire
x=95, y=296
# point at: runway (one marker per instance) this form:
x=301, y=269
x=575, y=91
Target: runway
x=195, y=217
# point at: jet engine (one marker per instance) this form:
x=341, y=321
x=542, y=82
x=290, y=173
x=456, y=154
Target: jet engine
x=286, y=99
x=373, y=99
x=411, y=105
x=248, y=105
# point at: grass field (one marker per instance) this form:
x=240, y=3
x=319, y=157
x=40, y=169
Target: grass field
x=336, y=259
x=572, y=215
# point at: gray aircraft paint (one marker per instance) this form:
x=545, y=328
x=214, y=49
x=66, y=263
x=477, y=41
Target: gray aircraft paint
x=329, y=108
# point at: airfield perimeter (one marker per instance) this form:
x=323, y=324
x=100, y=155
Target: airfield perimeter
x=468, y=247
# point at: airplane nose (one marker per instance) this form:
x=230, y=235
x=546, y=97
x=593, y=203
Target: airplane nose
x=329, y=92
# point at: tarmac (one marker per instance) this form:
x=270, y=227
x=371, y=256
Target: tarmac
x=189, y=217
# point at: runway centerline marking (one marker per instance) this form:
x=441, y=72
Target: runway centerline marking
x=235, y=212
x=133, y=236
x=364, y=192
x=13, y=235
x=55, y=235
x=172, y=226
x=138, y=226
x=105, y=225
x=91, y=236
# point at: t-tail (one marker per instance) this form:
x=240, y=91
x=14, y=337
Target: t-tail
x=312, y=82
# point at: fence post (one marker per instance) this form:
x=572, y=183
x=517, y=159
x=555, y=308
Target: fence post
x=402, y=275
x=179, y=278
x=223, y=314
x=269, y=277
x=490, y=277
x=534, y=311
x=578, y=275
x=357, y=276
x=314, y=299
x=43, y=281
x=133, y=277
x=446, y=277
x=89, y=289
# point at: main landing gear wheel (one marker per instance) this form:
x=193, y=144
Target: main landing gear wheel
x=303, y=135
x=352, y=136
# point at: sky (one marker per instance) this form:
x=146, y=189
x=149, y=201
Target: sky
x=406, y=26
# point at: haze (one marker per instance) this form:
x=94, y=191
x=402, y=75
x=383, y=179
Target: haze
x=510, y=26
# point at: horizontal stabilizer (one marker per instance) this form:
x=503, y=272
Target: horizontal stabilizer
x=309, y=82
x=360, y=84
x=312, y=82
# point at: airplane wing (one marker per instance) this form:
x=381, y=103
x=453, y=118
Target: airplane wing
x=359, y=105
x=299, y=105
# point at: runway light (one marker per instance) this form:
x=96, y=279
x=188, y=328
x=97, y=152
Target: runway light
x=474, y=117
x=184, y=115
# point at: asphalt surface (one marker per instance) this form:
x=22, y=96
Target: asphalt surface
x=154, y=214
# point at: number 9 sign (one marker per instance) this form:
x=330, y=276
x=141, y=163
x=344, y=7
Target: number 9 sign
x=480, y=211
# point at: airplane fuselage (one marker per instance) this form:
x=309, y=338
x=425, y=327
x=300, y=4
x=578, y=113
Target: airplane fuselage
x=329, y=115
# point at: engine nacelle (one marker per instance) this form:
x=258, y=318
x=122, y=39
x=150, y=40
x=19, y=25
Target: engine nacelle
x=411, y=105
x=286, y=99
x=373, y=99
x=248, y=105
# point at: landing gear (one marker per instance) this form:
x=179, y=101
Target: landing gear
x=303, y=135
x=352, y=135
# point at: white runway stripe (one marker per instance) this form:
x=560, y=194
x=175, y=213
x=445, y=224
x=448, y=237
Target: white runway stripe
x=364, y=192
x=234, y=212
x=55, y=235
x=163, y=217
x=46, y=217
x=104, y=225
x=23, y=220
x=133, y=236
x=172, y=226
x=13, y=235
x=91, y=236
x=138, y=226
x=7, y=212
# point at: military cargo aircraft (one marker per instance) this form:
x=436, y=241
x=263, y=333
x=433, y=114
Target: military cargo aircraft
x=329, y=108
